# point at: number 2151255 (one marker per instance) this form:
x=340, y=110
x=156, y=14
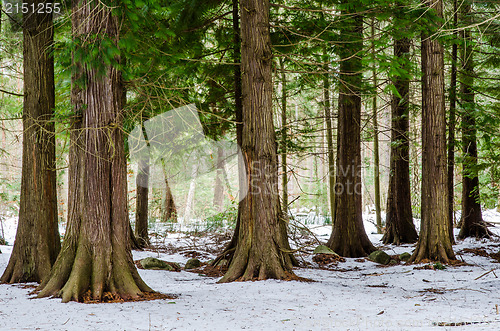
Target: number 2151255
x=39, y=8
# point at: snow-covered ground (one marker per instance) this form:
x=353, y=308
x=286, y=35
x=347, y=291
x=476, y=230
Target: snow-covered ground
x=356, y=296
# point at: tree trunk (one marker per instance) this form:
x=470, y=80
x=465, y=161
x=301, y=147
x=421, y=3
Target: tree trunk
x=472, y=219
x=348, y=236
x=142, y=193
x=451, y=125
x=376, y=157
x=188, y=211
x=228, y=252
x=261, y=246
x=96, y=260
x=329, y=138
x=399, y=220
x=284, y=171
x=434, y=242
x=37, y=239
x=219, y=178
x=169, y=212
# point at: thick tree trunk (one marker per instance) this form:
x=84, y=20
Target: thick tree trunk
x=434, y=242
x=261, y=248
x=399, y=221
x=472, y=219
x=348, y=236
x=451, y=126
x=37, y=239
x=96, y=260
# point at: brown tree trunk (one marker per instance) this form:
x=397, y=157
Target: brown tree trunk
x=434, y=242
x=376, y=155
x=348, y=236
x=228, y=251
x=284, y=151
x=219, y=177
x=451, y=126
x=96, y=259
x=472, y=219
x=261, y=250
x=142, y=193
x=329, y=135
x=169, y=212
x=37, y=239
x=399, y=221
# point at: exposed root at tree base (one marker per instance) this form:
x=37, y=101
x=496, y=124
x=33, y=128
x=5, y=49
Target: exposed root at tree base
x=210, y=271
x=109, y=297
x=430, y=264
x=289, y=277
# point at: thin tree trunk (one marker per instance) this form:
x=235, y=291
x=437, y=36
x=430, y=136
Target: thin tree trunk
x=329, y=136
x=96, y=260
x=169, y=211
x=228, y=251
x=37, y=239
x=284, y=172
x=348, y=236
x=434, y=242
x=261, y=246
x=142, y=195
x=219, y=178
x=472, y=219
x=188, y=211
x=376, y=158
x=451, y=125
x=399, y=219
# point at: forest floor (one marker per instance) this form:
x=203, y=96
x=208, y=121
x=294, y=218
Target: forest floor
x=353, y=295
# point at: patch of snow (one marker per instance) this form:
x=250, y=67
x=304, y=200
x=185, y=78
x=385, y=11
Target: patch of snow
x=357, y=296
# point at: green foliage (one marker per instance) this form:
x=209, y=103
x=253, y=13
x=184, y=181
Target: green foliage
x=438, y=266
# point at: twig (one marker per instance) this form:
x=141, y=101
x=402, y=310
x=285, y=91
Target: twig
x=492, y=270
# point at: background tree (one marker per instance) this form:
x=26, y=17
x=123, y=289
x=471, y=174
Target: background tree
x=142, y=193
x=348, y=236
x=399, y=221
x=451, y=123
x=472, y=224
x=37, y=240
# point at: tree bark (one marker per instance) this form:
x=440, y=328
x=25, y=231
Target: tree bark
x=329, y=135
x=284, y=152
x=96, y=259
x=348, y=236
x=219, y=178
x=228, y=251
x=376, y=157
x=260, y=251
x=188, y=211
x=142, y=193
x=169, y=212
x=399, y=220
x=451, y=125
x=37, y=239
x=434, y=242
x=472, y=219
